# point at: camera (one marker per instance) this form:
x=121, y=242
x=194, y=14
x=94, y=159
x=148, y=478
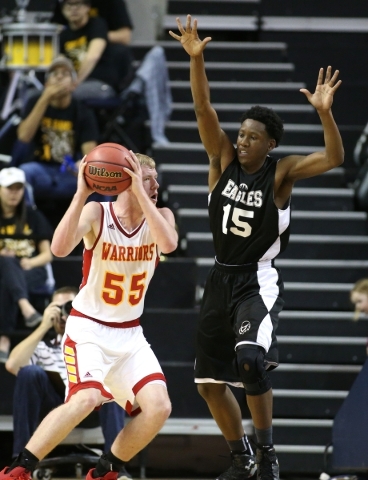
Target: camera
x=66, y=308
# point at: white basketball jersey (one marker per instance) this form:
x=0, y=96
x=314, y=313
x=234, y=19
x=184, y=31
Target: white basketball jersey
x=116, y=271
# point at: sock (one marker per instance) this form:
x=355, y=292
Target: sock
x=264, y=438
x=240, y=446
x=25, y=459
x=107, y=463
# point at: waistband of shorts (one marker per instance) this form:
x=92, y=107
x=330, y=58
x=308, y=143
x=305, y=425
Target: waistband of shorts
x=128, y=324
x=246, y=267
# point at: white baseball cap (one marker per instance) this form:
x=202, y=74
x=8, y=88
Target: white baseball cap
x=9, y=176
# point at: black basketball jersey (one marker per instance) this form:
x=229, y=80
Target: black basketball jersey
x=245, y=223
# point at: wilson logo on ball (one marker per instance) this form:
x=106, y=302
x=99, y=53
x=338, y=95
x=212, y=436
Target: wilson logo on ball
x=102, y=172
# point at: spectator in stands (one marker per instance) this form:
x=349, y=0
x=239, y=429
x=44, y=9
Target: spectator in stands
x=38, y=363
x=84, y=42
x=249, y=212
x=59, y=129
x=24, y=251
x=359, y=297
x=115, y=13
x=100, y=70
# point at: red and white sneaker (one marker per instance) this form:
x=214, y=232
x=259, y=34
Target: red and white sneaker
x=16, y=473
x=107, y=476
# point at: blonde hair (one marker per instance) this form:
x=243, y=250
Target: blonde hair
x=361, y=286
x=145, y=160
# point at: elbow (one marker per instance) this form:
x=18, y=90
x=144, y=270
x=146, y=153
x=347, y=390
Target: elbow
x=339, y=159
x=11, y=367
x=169, y=247
x=342, y=158
x=59, y=251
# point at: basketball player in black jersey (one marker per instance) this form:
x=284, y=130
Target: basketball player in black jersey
x=249, y=213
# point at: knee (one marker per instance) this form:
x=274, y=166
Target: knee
x=87, y=399
x=251, y=369
x=159, y=405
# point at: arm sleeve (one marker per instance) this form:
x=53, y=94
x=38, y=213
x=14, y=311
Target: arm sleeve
x=97, y=28
x=87, y=128
x=117, y=15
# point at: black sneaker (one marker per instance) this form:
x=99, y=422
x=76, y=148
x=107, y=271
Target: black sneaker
x=124, y=475
x=242, y=466
x=267, y=464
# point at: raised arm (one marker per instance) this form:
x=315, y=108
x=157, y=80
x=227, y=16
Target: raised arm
x=78, y=220
x=218, y=146
x=333, y=155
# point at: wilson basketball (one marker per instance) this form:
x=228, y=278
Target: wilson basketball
x=104, y=170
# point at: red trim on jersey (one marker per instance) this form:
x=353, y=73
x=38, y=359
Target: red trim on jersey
x=88, y=253
x=157, y=258
x=129, y=409
x=86, y=266
x=153, y=376
x=128, y=324
x=101, y=226
x=119, y=226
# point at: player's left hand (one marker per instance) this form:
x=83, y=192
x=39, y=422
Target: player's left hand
x=322, y=98
x=135, y=172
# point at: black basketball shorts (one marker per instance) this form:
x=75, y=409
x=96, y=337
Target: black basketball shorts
x=240, y=305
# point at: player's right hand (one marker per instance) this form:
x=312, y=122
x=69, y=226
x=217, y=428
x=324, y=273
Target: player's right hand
x=82, y=186
x=189, y=37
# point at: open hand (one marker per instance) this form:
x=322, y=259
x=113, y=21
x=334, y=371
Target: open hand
x=322, y=98
x=135, y=172
x=189, y=37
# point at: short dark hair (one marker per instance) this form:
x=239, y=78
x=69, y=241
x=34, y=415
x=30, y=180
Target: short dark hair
x=66, y=289
x=86, y=2
x=274, y=124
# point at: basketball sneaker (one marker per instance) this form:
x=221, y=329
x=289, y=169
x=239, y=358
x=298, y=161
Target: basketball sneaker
x=107, y=476
x=16, y=473
x=267, y=464
x=242, y=466
x=124, y=475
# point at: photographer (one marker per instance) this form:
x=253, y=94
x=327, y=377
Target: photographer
x=39, y=365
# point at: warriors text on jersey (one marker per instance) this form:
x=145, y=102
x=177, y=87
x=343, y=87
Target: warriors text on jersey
x=116, y=271
x=246, y=225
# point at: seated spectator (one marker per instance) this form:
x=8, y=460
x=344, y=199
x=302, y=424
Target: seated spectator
x=115, y=13
x=58, y=127
x=39, y=365
x=24, y=251
x=84, y=41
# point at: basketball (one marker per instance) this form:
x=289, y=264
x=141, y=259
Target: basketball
x=104, y=170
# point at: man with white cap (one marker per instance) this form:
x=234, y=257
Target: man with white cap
x=60, y=131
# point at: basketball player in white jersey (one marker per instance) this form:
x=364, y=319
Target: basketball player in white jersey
x=106, y=354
